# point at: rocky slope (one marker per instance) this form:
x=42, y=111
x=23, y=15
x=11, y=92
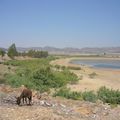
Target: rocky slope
x=49, y=108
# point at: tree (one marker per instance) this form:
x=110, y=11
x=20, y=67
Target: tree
x=12, y=51
x=2, y=52
x=37, y=54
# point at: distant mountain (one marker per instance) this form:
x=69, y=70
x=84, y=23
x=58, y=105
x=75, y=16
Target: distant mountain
x=101, y=50
x=70, y=50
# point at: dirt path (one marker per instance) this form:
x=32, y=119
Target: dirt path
x=104, y=77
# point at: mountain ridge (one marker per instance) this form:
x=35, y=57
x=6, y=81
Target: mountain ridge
x=71, y=50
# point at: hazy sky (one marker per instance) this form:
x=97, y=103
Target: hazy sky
x=60, y=23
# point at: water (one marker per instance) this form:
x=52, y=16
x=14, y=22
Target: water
x=110, y=64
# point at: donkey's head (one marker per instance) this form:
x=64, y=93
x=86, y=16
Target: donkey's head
x=18, y=100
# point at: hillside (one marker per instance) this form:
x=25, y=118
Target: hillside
x=49, y=108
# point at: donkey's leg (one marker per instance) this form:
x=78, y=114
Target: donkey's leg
x=30, y=99
x=26, y=100
x=23, y=100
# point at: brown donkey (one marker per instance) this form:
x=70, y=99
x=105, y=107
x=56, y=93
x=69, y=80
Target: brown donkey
x=26, y=94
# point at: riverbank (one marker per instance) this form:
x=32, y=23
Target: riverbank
x=104, y=77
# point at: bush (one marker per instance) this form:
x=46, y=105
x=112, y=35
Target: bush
x=63, y=67
x=106, y=95
x=63, y=92
x=74, y=68
x=12, y=62
x=66, y=93
x=89, y=96
x=109, y=96
x=57, y=67
x=44, y=77
x=92, y=75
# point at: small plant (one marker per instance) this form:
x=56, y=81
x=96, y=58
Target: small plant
x=66, y=93
x=63, y=67
x=89, y=96
x=81, y=77
x=92, y=75
x=109, y=95
x=57, y=67
x=74, y=68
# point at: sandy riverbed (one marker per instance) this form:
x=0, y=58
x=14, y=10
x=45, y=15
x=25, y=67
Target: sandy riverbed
x=105, y=77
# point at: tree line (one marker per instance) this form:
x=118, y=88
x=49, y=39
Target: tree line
x=12, y=52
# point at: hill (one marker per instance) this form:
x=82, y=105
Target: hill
x=70, y=50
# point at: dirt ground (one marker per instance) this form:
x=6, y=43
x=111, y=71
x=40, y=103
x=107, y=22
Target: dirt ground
x=50, y=108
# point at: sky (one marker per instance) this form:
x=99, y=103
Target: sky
x=60, y=23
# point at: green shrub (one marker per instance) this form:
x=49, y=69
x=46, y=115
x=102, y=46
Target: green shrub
x=104, y=94
x=57, y=67
x=63, y=92
x=109, y=96
x=44, y=77
x=66, y=93
x=75, y=96
x=89, y=96
x=23, y=72
x=63, y=67
x=12, y=62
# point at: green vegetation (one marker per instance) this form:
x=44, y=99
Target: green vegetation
x=37, y=54
x=69, y=67
x=109, y=96
x=38, y=74
x=106, y=95
x=66, y=93
x=34, y=54
x=2, y=52
x=89, y=96
x=12, y=51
